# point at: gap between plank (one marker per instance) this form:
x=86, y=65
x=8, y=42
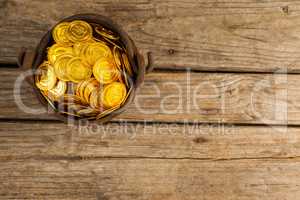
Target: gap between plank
x=86, y=158
x=54, y=121
x=182, y=69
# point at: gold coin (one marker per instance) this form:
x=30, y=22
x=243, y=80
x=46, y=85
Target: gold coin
x=57, y=50
x=58, y=91
x=127, y=64
x=87, y=112
x=45, y=78
x=60, y=34
x=77, y=71
x=117, y=57
x=95, y=99
x=91, y=86
x=78, y=88
x=95, y=51
x=113, y=94
x=61, y=65
x=79, y=31
x=79, y=48
x=106, y=33
x=70, y=98
x=81, y=87
x=105, y=71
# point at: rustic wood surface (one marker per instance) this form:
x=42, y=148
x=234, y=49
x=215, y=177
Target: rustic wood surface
x=230, y=35
x=234, y=135
x=34, y=140
x=236, y=98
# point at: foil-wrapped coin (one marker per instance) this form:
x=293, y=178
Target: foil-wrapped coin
x=106, y=33
x=58, y=91
x=105, y=70
x=79, y=31
x=95, y=51
x=60, y=34
x=61, y=65
x=88, y=112
x=77, y=71
x=45, y=78
x=57, y=50
x=81, y=88
x=127, y=64
x=95, y=99
x=113, y=94
x=117, y=57
x=90, y=87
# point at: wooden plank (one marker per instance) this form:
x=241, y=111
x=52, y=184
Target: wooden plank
x=187, y=97
x=150, y=179
x=35, y=140
x=229, y=35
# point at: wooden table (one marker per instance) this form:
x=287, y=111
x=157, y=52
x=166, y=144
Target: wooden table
x=240, y=138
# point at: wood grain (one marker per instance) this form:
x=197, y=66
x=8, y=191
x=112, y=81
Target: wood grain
x=153, y=179
x=229, y=35
x=186, y=97
x=39, y=140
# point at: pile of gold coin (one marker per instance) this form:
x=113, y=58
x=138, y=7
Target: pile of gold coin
x=87, y=73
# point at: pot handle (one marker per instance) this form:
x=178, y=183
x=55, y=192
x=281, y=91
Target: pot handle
x=150, y=63
x=141, y=62
x=25, y=58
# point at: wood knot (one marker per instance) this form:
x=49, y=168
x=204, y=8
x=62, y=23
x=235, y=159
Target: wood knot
x=171, y=51
x=199, y=140
x=285, y=9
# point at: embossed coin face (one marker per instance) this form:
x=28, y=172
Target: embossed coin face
x=113, y=94
x=57, y=50
x=96, y=51
x=77, y=71
x=105, y=71
x=45, y=78
x=60, y=67
x=60, y=34
x=79, y=48
x=79, y=31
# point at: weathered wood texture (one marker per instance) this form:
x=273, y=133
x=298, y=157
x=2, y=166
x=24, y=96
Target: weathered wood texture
x=153, y=179
x=188, y=97
x=36, y=140
x=260, y=36
x=129, y=160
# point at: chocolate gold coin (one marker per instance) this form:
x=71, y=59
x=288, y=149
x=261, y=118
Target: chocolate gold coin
x=45, y=78
x=57, y=50
x=61, y=65
x=113, y=94
x=60, y=34
x=77, y=71
x=105, y=70
x=79, y=31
